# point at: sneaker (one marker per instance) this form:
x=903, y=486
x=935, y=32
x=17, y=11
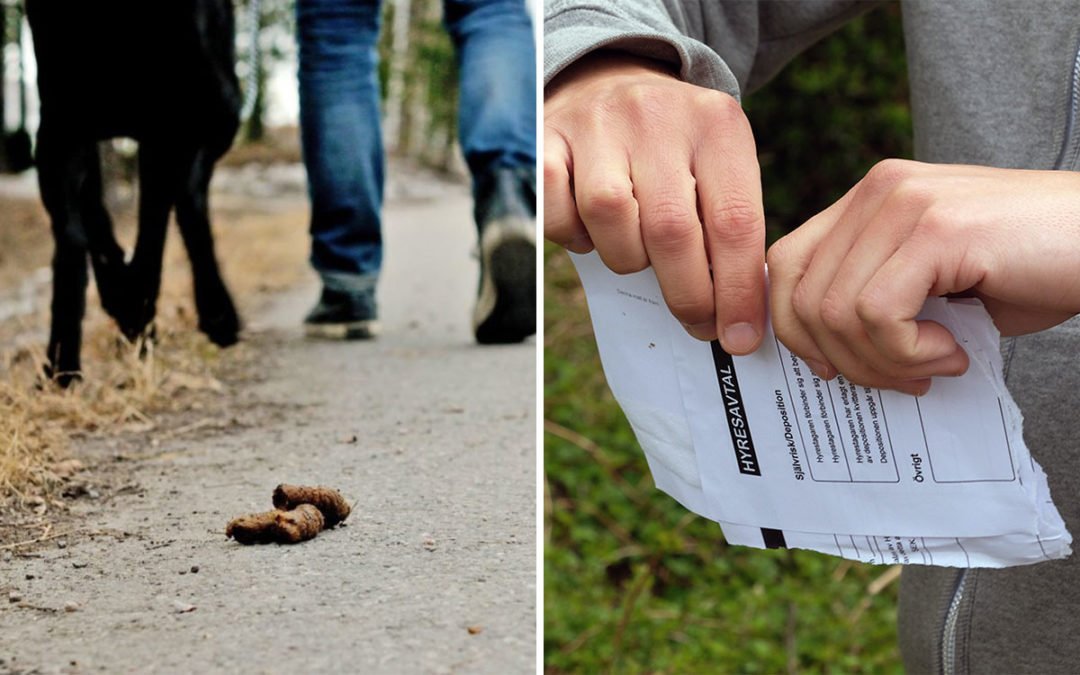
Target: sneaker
x=343, y=316
x=506, y=303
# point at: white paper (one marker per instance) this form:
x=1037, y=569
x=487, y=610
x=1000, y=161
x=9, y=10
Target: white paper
x=791, y=460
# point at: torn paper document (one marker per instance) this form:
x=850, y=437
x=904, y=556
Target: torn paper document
x=782, y=458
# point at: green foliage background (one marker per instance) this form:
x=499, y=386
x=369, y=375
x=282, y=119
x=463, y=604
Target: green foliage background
x=429, y=124
x=429, y=94
x=634, y=582
x=830, y=115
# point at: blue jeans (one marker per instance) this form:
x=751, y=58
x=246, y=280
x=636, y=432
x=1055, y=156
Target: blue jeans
x=339, y=117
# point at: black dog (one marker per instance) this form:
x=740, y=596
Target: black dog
x=162, y=73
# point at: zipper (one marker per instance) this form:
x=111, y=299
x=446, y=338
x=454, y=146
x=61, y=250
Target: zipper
x=952, y=620
x=952, y=616
x=1068, y=144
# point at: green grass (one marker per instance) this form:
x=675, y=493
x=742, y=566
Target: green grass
x=635, y=583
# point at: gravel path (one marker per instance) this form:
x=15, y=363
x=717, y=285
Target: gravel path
x=432, y=437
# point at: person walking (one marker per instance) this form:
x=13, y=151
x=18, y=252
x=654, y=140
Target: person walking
x=344, y=156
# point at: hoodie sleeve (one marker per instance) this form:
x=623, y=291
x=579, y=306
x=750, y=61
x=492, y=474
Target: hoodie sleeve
x=728, y=46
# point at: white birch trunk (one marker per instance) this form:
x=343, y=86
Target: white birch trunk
x=395, y=86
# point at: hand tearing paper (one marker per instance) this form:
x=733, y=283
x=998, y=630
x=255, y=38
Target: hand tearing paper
x=780, y=457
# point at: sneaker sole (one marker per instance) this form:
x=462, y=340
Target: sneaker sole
x=356, y=330
x=506, y=307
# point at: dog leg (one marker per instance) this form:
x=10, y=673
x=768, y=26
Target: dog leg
x=62, y=167
x=217, y=314
x=106, y=256
x=157, y=168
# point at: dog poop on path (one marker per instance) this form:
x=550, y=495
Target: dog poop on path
x=300, y=513
x=333, y=506
x=277, y=526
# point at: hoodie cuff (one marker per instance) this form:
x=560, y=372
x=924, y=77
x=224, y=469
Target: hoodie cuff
x=573, y=32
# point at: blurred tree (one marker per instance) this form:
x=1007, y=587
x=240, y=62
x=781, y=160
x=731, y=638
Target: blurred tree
x=16, y=153
x=265, y=35
x=4, y=39
x=418, y=75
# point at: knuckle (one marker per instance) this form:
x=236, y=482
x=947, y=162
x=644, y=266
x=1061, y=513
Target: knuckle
x=644, y=100
x=554, y=171
x=736, y=220
x=802, y=304
x=871, y=310
x=835, y=313
x=875, y=314
x=603, y=201
x=737, y=291
x=889, y=172
x=722, y=106
x=740, y=280
x=911, y=192
x=779, y=254
x=669, y=222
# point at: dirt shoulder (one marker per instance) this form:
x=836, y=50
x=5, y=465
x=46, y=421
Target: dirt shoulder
x=131, y=392
x=431, y=437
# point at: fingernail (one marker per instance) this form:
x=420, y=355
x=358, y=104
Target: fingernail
x=820, y=369
x=582, y=244
x=739, y=338
x=702, y=331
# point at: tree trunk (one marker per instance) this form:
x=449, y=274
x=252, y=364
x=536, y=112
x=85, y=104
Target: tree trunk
x=3, y=84
x=395, y=86
x=256, y=126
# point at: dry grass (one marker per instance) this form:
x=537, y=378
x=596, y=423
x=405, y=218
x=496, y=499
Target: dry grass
x=128, y=388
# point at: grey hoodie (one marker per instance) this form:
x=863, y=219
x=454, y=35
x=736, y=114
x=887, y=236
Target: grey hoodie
x=992, y=83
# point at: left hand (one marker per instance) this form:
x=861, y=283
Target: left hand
x=846, y=286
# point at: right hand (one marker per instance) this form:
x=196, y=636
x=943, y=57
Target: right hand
x=847, y=286
x=651, y=170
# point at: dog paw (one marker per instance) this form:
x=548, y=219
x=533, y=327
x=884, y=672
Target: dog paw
x=218, y=320
x=62, y=377
x=222, y=330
